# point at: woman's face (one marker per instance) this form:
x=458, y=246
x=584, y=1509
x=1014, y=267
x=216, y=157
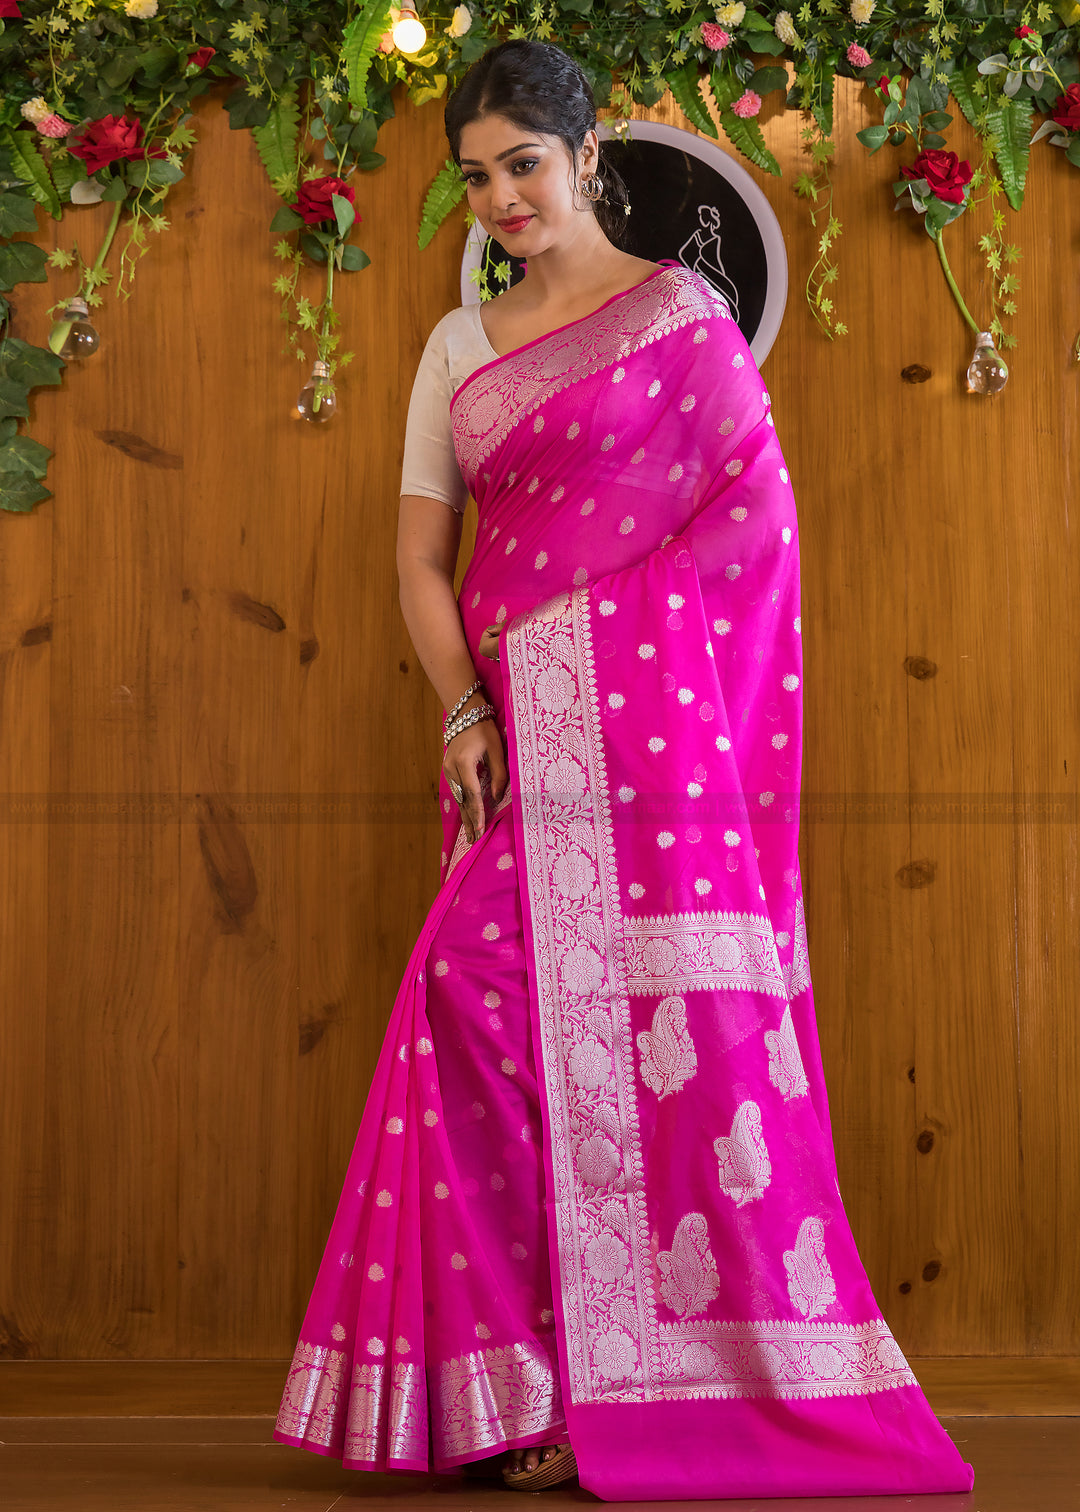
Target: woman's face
x=514, y=172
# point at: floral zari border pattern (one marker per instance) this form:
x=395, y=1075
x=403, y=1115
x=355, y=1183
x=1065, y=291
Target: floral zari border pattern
x=584, y=956
x=387, y=1409
x=478, y=1401
x=707, y=951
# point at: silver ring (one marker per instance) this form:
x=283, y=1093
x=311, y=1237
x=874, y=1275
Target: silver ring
x=456, y=788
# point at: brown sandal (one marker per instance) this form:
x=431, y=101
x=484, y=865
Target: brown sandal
x=562, y=1466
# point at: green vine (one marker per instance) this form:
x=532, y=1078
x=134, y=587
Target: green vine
x=313, y=82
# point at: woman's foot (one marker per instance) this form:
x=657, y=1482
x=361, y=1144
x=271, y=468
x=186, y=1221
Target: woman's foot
x=528, y=1459
x=538, y=1466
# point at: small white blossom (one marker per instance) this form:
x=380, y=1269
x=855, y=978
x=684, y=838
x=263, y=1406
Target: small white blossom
x=35, y=110
x=460, y=21
x=784, y=27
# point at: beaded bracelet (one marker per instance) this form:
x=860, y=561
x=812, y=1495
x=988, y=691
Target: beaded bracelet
x=466, y=721
x=462, y=701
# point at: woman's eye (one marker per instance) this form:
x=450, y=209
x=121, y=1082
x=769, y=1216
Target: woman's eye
x=468, y=178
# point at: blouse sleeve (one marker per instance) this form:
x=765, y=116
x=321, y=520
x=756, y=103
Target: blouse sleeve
x=430, y=465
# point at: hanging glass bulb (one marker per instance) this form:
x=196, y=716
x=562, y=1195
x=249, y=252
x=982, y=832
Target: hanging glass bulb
x=317, y=401
x=408, y=31
x=73, y=336
x=987, y=371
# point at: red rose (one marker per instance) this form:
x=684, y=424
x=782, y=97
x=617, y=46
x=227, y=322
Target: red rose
x=314, y=200
x=1066, y=110
x=9, y=11
x=112, y=139
x=943, y=171
x=1025, y=31
x=201, y=58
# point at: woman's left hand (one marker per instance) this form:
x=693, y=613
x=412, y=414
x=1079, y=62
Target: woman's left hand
x=489, y=642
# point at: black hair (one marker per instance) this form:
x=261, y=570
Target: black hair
x=539, y=88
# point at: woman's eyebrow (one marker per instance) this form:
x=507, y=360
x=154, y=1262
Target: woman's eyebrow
x=500, y=155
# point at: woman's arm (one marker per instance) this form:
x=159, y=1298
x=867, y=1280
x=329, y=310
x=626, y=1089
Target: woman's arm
x=429, y=534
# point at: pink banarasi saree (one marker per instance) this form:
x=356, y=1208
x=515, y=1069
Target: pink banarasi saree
x=593, y=1195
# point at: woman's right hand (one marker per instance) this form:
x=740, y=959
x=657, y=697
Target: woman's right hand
x=474, y=760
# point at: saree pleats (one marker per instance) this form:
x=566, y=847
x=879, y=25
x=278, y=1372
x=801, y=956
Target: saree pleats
x=430, y=1337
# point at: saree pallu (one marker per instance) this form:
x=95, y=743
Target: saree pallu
x=594, y=1192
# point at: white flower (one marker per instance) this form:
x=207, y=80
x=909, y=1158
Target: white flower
x=36, y=110
x=607, y=1257
x=784, y=27
x=861, y=11
x=460, y=21
x=140, y=10
x=615, y=1354
x=590, y=1064
x=730, y=15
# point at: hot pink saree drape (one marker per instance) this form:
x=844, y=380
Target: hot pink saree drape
x=594, y=1193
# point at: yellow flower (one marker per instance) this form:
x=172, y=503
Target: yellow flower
x=35, y=110
x=460, y=21
x=861, y=11
x=140, y=10
x=730, y=15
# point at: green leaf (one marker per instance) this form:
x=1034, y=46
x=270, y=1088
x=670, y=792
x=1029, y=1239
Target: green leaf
x=22, y=455
x=684, y=84
x=766, y=43
x=31, y=168
x=431, y=89
x=1072, y=152
x=19, y=492
x=447, y=190
x=747, y=137
x=287, y=220
x=353, y=259
x=29, y=365
x=275, y=142
x=1010, y=137
x=765, y=80
x=754, y=22
x=22, y=262
x=359, y=45
x=17, y=214
x=65, y=172
x=313, y=247
x=960, y=84
x=13, y=398
x=115, y=189
x=937, y=120
x=344, y=214
x=873, y=137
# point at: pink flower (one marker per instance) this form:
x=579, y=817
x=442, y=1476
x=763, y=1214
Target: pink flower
x=858, y=56
x=55, y=126
x=748, y=104
x=386, y=42
x=715, y=36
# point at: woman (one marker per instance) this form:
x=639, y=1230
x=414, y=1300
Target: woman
x=593, y=1197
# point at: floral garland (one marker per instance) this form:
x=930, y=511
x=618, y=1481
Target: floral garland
x=98, y=96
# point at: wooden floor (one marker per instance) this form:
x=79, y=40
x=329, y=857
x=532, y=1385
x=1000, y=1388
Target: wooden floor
x=1022, y=1464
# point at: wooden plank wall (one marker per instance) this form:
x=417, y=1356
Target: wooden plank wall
x=203, y=627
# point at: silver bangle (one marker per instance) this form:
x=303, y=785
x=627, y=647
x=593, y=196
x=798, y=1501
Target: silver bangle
x=462, y=701
x=466, y=721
